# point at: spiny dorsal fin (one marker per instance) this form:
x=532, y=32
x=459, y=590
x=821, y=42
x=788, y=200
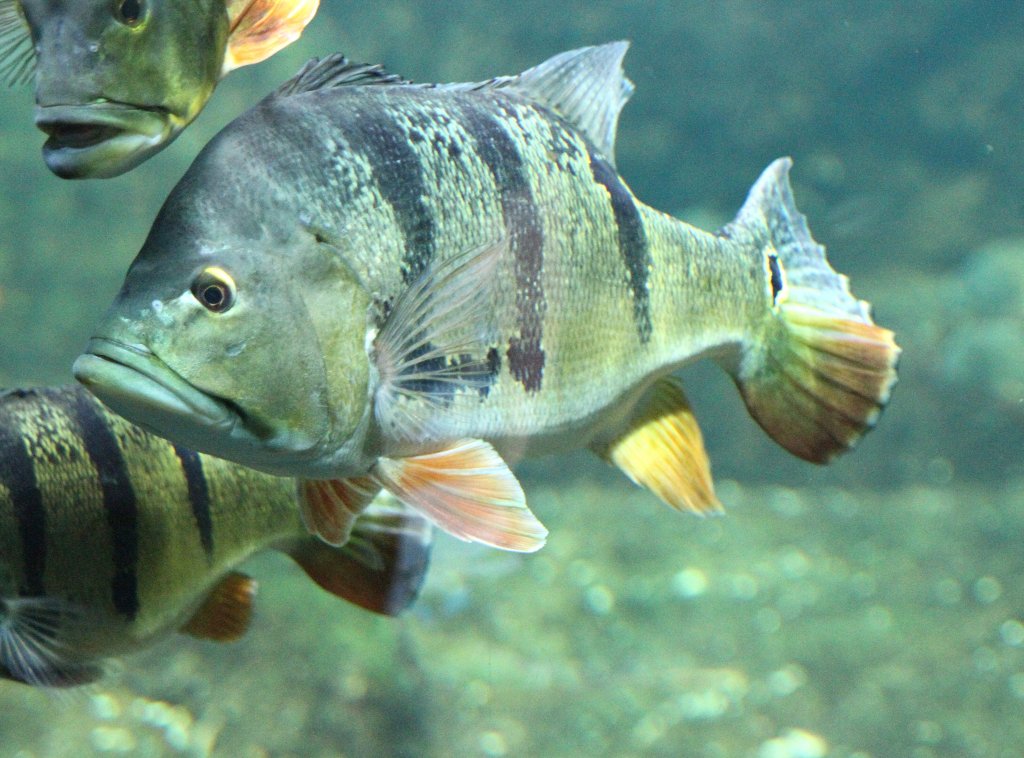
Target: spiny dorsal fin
x=586, y=87
x=336, y=71
x=17, y=56
x=259, y=28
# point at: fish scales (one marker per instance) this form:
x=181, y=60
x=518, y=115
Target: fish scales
x=62, y=463
x=373, y=284
x=67, y=465
x=570, y=282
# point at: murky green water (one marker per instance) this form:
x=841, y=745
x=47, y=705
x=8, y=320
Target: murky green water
x=871, y=608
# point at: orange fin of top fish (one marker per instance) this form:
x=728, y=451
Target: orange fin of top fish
x=822, y=373
x=662, y=449
x=381, y=567
x=467, y=490
x=259, y=28
x=225, y=614
x=330, y=507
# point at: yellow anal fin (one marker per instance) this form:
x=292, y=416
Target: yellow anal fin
x=329, y=507
x=467, y=490
x=381, y=567
x=225, y=614
x=662, y=449
x=259, y=28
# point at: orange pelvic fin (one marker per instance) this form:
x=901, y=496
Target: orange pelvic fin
x=383, y=564
x=259, y=28
x=225, y=614
x=662, y=449
x=467, y=490
x=329, y=507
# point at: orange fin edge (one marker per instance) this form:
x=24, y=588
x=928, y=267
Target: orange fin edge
x=469, y=492
x=260, y=28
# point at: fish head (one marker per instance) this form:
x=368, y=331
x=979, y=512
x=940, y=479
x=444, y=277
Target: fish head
x=239, y=350
x=117, y=80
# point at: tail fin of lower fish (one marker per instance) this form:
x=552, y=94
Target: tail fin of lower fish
x=818, y=375
x=382, y=565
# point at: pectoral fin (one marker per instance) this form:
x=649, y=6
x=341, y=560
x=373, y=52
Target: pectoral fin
x=37, y=643
x=17, y=54
x=662, y=449
x=329, y=507
x=383, y=564
x=225, y=614
x=467, y=490
x=259, y=28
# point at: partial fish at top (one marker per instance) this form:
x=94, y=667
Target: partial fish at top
x=111, y=538
x=117, y=80
x=405, y=286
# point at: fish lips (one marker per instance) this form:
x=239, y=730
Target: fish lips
x=136, y=384
x=101, y=140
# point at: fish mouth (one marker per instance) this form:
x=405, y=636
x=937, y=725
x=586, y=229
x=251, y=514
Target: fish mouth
x=136, y=384
x=102, y=139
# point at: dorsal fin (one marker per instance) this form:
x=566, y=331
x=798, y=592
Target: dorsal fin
x=586, y=87
x=17, y=56
x=335, y=71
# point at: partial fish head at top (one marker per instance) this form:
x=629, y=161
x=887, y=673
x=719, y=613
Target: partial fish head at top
x=193, y=344
x=116, y=81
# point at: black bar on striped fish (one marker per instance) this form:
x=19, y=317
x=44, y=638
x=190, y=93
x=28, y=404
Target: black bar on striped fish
x=198, y=496
x=118, y=501
x=17, y=474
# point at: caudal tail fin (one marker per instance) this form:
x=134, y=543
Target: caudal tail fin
x=818, y=374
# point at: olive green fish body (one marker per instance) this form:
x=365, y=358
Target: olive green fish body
x=115, y=82
x=399, y=285
x=119, y=533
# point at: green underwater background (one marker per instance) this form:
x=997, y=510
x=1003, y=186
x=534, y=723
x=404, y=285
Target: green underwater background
x=867, y=609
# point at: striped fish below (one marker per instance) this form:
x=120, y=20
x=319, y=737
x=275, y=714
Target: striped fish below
x=372, y=284
x=111, y=537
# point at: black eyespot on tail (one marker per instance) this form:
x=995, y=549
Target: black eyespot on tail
x=776, y=275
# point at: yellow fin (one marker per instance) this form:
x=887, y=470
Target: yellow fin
x=662, y=449
x=329, y=506
x=225, y=614
x=467, y=490
x=259, y=28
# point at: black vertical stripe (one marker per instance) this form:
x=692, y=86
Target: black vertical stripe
x=632, y=241
x=17, y=473
x=118, y=501
x=496, y=148
x=198, y=496
x=399, y=178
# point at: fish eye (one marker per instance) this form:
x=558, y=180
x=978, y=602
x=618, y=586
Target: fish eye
x=129, y=12
x=214, y=289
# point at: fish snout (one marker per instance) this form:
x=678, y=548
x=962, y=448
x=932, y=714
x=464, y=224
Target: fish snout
x=101, y=139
